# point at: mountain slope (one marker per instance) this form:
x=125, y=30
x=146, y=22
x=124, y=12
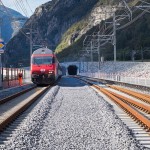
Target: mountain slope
x=63, y=25
x=9, y=26
x=51, y=20
x=132, y=41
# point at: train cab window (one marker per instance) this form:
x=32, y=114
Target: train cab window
x=42, y=60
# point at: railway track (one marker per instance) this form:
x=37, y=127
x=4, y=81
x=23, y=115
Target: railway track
x=14, y=105
x=8, y=98
x=133, y=110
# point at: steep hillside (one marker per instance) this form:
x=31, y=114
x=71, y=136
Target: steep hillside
x=62, y=26
x=135, y=40
x=51, y=20
x=132, y=41
x=9, y=26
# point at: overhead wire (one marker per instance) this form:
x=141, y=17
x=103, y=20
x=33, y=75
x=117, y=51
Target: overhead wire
x=29, y=7
x=132, y=21
x=109, y=31
x=17, y=7
x=21, y=5
x=135, y=19
x=11, y=18
x=127, y=24
x=24, y=6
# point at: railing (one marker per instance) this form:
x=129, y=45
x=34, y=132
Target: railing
x=119, y=78
x=11, y=73
x=9, y=76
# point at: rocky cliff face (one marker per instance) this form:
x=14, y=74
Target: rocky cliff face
x=50, y=22
x=60, y=25
x=10, y=26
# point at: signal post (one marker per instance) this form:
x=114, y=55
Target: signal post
x=1, y=52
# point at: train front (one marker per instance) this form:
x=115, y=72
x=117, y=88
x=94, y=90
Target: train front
x=43, y=67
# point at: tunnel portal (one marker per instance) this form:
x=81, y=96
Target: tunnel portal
x=72, y=70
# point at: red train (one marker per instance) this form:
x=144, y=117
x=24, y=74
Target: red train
x=45, y=68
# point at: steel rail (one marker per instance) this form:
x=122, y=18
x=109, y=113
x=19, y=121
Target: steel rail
x=138, y=117
x=136, y=104
x=141, y=96
x=4, y=100
x=13, y=113
x=141, y=120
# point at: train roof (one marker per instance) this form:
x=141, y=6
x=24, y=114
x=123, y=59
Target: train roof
x=43, y=51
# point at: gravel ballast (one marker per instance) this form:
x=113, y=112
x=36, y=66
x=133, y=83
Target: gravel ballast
x=72, y=116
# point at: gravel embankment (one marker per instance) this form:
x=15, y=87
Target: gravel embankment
x=72, y=116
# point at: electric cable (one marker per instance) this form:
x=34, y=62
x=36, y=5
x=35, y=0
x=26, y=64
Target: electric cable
x=21, y=5
x=29, y=7
x=11, y=18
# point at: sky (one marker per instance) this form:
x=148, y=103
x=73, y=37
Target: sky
x=13, y=4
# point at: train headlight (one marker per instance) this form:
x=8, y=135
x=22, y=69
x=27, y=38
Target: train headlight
x=51, y=72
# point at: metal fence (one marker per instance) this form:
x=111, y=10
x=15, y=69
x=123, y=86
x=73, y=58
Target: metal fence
x=118, y=78
x=9, y=76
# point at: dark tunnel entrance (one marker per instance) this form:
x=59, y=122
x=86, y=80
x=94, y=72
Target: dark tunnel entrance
x=72, y=70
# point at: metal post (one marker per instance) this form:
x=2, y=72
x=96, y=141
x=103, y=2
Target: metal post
x=80, y=66
x=0, y=72
x=99, y=56
x=83, y=64
x=142, y=58
x=0, y=55
x=31, y=42
x=128, y=8
x=114, y=34
x=87, y=66
x=92, y=57
x=99, y=53
x=0, y=27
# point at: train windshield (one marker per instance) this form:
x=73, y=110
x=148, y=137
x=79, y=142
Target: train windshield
x=42, y=60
